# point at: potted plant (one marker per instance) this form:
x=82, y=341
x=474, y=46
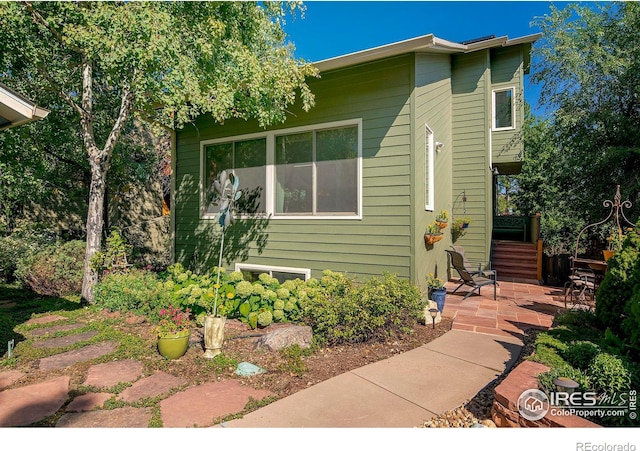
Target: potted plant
x=615, y=239
x=433, y=233
x=437, y=291
x=225, y=194
x=459, y=228
x=173, y=332
x=442, y=219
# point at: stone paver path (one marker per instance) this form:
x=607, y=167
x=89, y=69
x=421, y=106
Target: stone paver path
x=77, y=355
x=200, y=405
x=42, y=331
x=67, y=340
x=125, y=417
x=26, y=405
x=150, y=387
x=106, y=375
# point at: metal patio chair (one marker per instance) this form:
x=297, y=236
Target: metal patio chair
x=476, y=282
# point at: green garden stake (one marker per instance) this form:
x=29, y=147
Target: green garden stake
x=10, y=345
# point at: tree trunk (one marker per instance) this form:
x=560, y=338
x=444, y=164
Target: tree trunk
x=95, y=223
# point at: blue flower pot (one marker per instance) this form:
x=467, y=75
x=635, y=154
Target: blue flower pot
x=438, y=296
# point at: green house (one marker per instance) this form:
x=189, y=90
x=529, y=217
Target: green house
x=398, y=133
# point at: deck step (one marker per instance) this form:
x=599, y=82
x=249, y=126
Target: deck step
x=514, y=260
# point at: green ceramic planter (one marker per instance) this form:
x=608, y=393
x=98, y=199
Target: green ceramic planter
x=174, y=346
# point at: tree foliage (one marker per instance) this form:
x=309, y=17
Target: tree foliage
x=588, y=65
x=162, y=62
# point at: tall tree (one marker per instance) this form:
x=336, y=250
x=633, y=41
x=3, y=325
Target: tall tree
x=163, y=62
x=588, y=66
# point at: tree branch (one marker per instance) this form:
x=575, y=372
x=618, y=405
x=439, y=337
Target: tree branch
x=37, y=17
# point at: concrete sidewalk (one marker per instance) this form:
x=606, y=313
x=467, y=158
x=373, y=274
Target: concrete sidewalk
x=402, y=391
x=408, y=389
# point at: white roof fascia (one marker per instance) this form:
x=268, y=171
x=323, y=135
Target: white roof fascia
x=365, y=56
x=18, y=109
x=427, y=43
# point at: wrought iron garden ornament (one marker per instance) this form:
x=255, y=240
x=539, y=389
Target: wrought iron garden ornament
x=225, y=195
x=616, y=207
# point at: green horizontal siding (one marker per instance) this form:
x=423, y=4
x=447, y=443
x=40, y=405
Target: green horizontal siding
x=379, y=93
x=470, y=162
x=506, y=71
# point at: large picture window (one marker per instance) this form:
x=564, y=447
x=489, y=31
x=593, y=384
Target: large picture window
x=317, y=172
x=504, y=109
x=304, y=172
x=247, y=159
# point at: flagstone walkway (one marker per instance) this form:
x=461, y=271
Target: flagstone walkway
x=518, y=307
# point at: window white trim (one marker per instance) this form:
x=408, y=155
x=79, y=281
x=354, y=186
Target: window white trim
x=513, y=108
x=306, y=272
x=270, y=188
x=429, y=172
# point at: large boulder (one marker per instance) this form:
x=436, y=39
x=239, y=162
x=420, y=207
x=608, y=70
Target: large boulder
x=285, y=337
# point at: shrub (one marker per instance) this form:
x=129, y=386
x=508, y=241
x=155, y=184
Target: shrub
x=580, y=354
x=620, y=282
x=21, y=243
x=136, y=291
x=55, y=270
x=339, y=310
x=609, y=374
x=545, y=380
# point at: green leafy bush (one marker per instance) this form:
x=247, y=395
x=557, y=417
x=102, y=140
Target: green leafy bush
x=138, y=291
x=609, y=374
x=55, y=270
x=621, y=280
x=339, y=310
x=545, y=380
x=580, y=354
x=21, y=243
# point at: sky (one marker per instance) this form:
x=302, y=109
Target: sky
x=334, y=28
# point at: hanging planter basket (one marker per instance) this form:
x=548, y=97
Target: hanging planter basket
x=442, y=224
x=430, y=238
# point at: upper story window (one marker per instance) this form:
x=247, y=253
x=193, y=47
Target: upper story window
x=303, y=172
x=504, y=109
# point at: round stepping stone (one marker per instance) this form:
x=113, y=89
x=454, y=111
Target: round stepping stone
x=150, y=387
x=67, y=340
x=69, y=358
x=125, y=417
x=27, y=405
x=113, y=373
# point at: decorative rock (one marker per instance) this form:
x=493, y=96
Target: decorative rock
x=285, y=337
x=248, y=369
x=427, y=315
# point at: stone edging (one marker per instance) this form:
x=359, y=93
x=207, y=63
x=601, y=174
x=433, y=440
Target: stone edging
x=505, y=405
